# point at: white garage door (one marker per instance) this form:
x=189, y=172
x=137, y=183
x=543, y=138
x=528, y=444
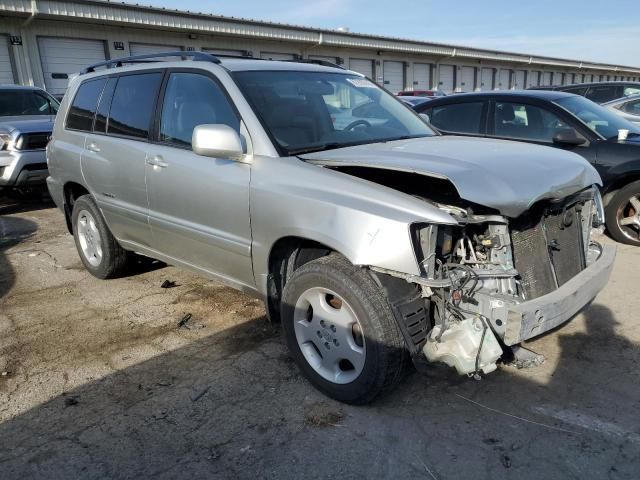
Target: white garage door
x=220, y=51
x=486, y=79
x=365, y=67
x=467, y=79
x=6, y=70
x=323, y=58
x=546, y=79
x=421, y=76
x=150, y=49
x=63, y=57
x=446, y=78
x=393, y=76
x=277, y=56
x=503, y=79
x=518, y=80
x=534, y=79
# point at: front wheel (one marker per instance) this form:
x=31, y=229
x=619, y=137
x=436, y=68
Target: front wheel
x=341, y=331
x=623, y=214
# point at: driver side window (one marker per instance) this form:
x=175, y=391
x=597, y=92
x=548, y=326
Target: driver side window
x=190, y=100
x=525, y=122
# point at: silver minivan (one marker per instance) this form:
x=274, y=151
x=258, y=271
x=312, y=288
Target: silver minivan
x=371, y=238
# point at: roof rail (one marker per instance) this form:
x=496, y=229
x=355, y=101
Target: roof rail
x=315, y=61
x=119, y=62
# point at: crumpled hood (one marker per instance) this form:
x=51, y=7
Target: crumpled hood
x=27, y=123
x=506, y=176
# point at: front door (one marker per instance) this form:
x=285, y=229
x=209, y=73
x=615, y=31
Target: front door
x=198, y=206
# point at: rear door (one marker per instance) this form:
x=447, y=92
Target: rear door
x=114, y=158
x=459, y=118
x=198, y=206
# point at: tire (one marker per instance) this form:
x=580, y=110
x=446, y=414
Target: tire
x=324, y=347
x=625, y=206
x=99, y=251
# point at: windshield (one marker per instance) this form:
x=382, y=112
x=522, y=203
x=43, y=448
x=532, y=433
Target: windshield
x=311, y=111
x=15, y=103
x=599, y=119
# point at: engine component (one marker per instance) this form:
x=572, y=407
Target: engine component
x=468, y=346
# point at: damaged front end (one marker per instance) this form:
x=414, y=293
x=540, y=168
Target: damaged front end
x=492, y=281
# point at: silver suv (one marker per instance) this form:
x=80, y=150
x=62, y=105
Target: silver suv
x=26, y=121
x=370, y=237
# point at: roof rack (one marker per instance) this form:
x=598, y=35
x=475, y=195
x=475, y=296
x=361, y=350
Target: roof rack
x=119, y=62
x=315, y=61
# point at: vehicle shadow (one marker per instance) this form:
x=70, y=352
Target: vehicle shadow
x=13, y=230
x=12, y=204
x=233, y=405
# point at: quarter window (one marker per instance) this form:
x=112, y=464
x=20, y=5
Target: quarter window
x=83, y=108
x=133, y=105
x=191, y=100
x=526, y=122
x=628, y=91
x=458, y=117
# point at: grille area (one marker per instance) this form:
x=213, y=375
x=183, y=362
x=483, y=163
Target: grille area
x=548, y=249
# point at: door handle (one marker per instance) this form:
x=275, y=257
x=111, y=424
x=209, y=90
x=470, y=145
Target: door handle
x=157, y=162
x=93, y=147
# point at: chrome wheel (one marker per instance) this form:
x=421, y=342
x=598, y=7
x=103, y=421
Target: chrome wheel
x=329, y=335
x=89, y=238
x=629, y=218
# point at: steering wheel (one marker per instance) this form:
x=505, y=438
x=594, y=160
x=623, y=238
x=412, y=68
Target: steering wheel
x=357, y=123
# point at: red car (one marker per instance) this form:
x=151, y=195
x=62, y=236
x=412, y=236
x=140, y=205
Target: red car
x=422, y=93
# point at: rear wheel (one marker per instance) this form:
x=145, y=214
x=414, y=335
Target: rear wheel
x=99, y=251
x=623, y=214
x=341, y=331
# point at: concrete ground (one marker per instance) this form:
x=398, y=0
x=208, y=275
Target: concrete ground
x=98, y=381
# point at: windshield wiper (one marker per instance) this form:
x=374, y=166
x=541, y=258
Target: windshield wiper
x=316, y=148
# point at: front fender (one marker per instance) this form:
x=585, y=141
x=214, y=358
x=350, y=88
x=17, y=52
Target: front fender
x=367, y=223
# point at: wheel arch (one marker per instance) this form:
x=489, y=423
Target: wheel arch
x=71, y=192
x=619, y=182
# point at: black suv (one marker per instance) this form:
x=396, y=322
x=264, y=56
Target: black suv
x=561, y=120
x=599, y=92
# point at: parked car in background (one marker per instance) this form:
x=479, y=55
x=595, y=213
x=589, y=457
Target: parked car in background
x=561, y=120
x=626, y=107
x=599, y=92
x=370, y=242
x=414, y=101
x=26, y=121
x=421, y=93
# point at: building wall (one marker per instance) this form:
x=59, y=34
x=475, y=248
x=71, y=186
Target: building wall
x=27, y=65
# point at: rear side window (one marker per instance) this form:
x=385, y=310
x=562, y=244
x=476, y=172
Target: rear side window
x=458, y=117
x=102, y=113
x=133, y=105
x=84, y=104
x=603, y=94
x=631, y=91
x=577, y=90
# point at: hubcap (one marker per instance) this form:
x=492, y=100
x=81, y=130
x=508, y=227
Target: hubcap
x=329, y=335
x=629, y=218
x=89, y=238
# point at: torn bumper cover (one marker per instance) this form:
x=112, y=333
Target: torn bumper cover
x=534, y=317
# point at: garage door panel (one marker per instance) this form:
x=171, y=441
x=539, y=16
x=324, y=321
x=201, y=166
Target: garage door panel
x=222, y=51
x=150, y=49
x=63, y=57
x=446, y=79
x=421, y=76
x=6, y=69
x=277, y=56
x=467, y=79
x=365, y=67
x=504, y=78
x=486, y=79
x=393, y=76
x=519, y=80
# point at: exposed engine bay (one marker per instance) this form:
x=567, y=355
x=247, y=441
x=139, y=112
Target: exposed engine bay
x=474, y=273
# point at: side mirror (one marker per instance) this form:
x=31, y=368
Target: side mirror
x=568, y=137
x=218, y=141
